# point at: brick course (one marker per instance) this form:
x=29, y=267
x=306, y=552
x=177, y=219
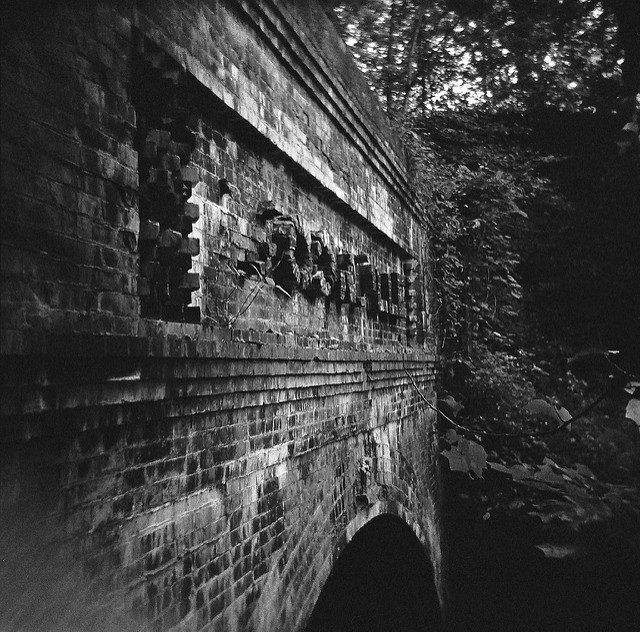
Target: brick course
x=202, y=475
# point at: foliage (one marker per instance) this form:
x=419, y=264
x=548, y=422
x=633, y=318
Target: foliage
x=465, y=455
x=474, y=187
x=560, y=492
x=571, y=495
x=494, y=206
x=535, y=231
x=503, y=54
x=632, y=411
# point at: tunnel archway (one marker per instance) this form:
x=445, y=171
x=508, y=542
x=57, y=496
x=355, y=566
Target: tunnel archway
x=382, y=582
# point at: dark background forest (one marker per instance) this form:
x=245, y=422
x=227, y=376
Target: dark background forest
x=521, y=121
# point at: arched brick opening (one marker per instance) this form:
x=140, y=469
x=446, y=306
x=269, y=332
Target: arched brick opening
x=381, y=582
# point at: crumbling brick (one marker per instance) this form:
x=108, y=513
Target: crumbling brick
x=206, y=459
x=149, y=230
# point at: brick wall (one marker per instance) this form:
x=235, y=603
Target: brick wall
x=212, y=282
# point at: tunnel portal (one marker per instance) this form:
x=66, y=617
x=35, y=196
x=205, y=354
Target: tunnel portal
x=382, y=582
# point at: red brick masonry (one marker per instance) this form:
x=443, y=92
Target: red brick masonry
x=213, y=276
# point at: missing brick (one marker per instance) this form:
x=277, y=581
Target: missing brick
x=164, y=142
x=223, y=186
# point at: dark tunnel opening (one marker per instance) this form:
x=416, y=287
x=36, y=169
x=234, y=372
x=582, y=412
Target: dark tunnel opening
x=382, y=582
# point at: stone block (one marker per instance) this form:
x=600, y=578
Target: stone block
x=316, y=249
x=318, y=286
x=150, y=269
x=410, y=279
x=183, y=225
x=163, y=139
x=172, y=75
x=150, y=151
x=183, y=150
x=190, y=173
x=148, y=250
x=368, y=278
x=385, y=286
x=190, y=246
x=340, y=287
x=170, y=161
x=284, y=235
x=183, y=261
x=167, y=256
x=144, y=286
x=179, y=294
x=191, y=211
x=287, y=273
x=352, y=289
x=192, y=314
x=149, y=230
x=345, y=261
x=190, y=281
x=374, y=304
x=409, y=267
x=267, y=250
x=267, y=210
x=160, y=177
x=170, y=239
x=172, y=311
x=394, y=287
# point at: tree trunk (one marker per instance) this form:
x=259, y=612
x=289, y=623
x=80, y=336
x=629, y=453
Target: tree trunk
x=627, y=13
x=416, y=28
x=387, y=72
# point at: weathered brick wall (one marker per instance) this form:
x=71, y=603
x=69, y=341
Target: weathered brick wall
x=211, y=286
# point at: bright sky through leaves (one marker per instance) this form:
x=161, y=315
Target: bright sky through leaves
x=505, y=54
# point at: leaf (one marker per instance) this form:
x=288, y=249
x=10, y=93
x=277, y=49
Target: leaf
x=467, y=456
x=477, y=458
x=542, y=408
x=633, y=411
x=498, y=467
x=449, y=406
x=632, y=387
x=545, y=474
x=560, y=551
x=457, y=462
x=583, y=470
x=451, y=436
x=564, y=415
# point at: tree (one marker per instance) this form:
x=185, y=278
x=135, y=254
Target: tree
x=500, y=54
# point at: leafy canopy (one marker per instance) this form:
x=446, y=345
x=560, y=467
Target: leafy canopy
x=500, y=54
